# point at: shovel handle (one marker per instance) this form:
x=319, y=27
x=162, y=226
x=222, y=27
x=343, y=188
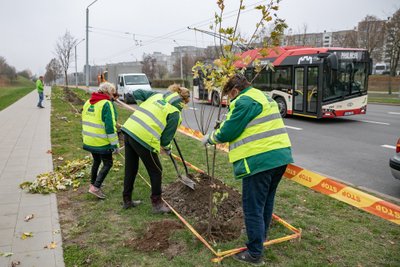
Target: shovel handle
x=180, y=154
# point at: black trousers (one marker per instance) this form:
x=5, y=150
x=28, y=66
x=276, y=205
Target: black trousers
x=97, y=177
x=134, y=151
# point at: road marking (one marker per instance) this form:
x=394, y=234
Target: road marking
x=394, y=113
x=376, y=122
x=293, y=128
x=388, y=146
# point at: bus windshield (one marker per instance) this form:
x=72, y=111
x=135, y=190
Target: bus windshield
x=349, y=79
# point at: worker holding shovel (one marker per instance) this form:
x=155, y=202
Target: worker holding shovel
x=149, y=131
x=260, y=149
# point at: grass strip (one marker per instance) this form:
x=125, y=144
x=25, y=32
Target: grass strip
x=11, y=94
x=98, y=233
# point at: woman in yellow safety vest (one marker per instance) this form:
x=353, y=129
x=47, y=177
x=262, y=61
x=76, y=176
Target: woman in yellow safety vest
x=149, y=130
x=99, y=132
x=260, y=149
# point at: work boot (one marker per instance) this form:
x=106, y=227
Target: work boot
x=245, y=256
x=96, y=192
x=159, y=207
x=129, y=203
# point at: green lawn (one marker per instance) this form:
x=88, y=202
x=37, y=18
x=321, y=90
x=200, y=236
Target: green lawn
x=10, y=94
x=98, y=233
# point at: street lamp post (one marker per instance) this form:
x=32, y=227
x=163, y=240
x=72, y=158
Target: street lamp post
x=76, y=64
x=87, y=43
x=180, y=54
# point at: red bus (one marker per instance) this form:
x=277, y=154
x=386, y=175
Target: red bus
x=323, y=82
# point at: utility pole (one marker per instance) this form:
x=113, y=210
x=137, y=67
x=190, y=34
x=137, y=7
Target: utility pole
x=180, y=53
x=87, y=43
x=76, y=64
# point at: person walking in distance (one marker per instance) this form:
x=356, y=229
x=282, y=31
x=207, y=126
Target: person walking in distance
x=149, y=131
x=260, y=149
x=40, y=87
x=99, y=132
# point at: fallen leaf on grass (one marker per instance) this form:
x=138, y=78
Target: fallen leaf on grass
x=29, y=217
x=15, y=263
x=60, y=158
x=391, y=242
x=52, y=245
x=26, y=235
x=6, y=254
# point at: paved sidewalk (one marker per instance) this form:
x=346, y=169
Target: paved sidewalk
x=24, y=141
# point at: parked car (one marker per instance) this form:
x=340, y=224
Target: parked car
x=395, y=162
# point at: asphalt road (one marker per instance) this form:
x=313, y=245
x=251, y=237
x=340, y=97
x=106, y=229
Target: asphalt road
x=353, y=149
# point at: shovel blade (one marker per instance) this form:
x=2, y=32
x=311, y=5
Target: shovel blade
x=187, y=181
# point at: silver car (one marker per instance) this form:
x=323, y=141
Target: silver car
x=395, y=162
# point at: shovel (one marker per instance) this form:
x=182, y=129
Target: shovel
x=183, y=178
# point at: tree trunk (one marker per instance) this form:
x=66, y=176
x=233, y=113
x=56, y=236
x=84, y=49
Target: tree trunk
x=66, y=79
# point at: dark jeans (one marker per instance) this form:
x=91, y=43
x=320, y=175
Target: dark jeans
x=97, y=178
x=134, y=151
x=258, y=203
x=40, y=99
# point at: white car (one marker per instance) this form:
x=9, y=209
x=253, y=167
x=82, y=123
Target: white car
x=394, y=162
x=129, y=82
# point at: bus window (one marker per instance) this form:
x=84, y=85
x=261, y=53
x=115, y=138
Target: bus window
x=281, y=79
x=360, y=72
x=298, y=88
x=312, y=89
x=262, y=80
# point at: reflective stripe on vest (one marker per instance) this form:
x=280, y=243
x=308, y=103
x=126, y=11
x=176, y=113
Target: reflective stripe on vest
x=171, y=97
x=264, y=133
x=150, y=119
x=93, y=128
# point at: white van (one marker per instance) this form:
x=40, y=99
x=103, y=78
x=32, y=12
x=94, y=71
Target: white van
x=129, y=82
x=381, y=68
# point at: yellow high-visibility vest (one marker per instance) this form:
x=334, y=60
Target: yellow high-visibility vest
x=264, y=133
x=150, y=119
x=93, y=128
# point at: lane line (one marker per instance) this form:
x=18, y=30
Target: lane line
x=388, y=146
x=294, y=128
x=376, y=122
x=394, y=113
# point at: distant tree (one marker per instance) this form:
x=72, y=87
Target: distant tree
x=7, y=71
x=64, y=52
x=161, y=71
x=188, y=62
x=149, y=66
x=393, y=41
x=53, y=71
x=25, y=73
x=371, y=33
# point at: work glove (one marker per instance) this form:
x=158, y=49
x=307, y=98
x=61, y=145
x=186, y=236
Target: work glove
x=217, y=124
x=116, y=150
x=204, y=141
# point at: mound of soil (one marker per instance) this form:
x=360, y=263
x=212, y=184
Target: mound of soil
x=71, y=97
x=226, y=224
x=157, y=238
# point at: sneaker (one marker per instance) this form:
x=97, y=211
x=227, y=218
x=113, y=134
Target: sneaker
x=131, y=204
x=161, y=208
x=96, y=192
x=245, y=256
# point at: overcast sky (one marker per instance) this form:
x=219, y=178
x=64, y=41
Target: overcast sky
x=29, y=30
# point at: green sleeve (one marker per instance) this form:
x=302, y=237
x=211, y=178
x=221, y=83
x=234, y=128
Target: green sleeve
x=245, y=110
x=107, y=118
x=169, y=131
x=39, y=85
x=142, y=95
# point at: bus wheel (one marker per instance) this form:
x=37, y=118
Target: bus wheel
x=215, y=99
x=282, y=106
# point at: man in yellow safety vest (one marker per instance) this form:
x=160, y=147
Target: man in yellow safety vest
x=260, y=149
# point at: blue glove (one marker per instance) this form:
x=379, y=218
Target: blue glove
x=204, y=141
